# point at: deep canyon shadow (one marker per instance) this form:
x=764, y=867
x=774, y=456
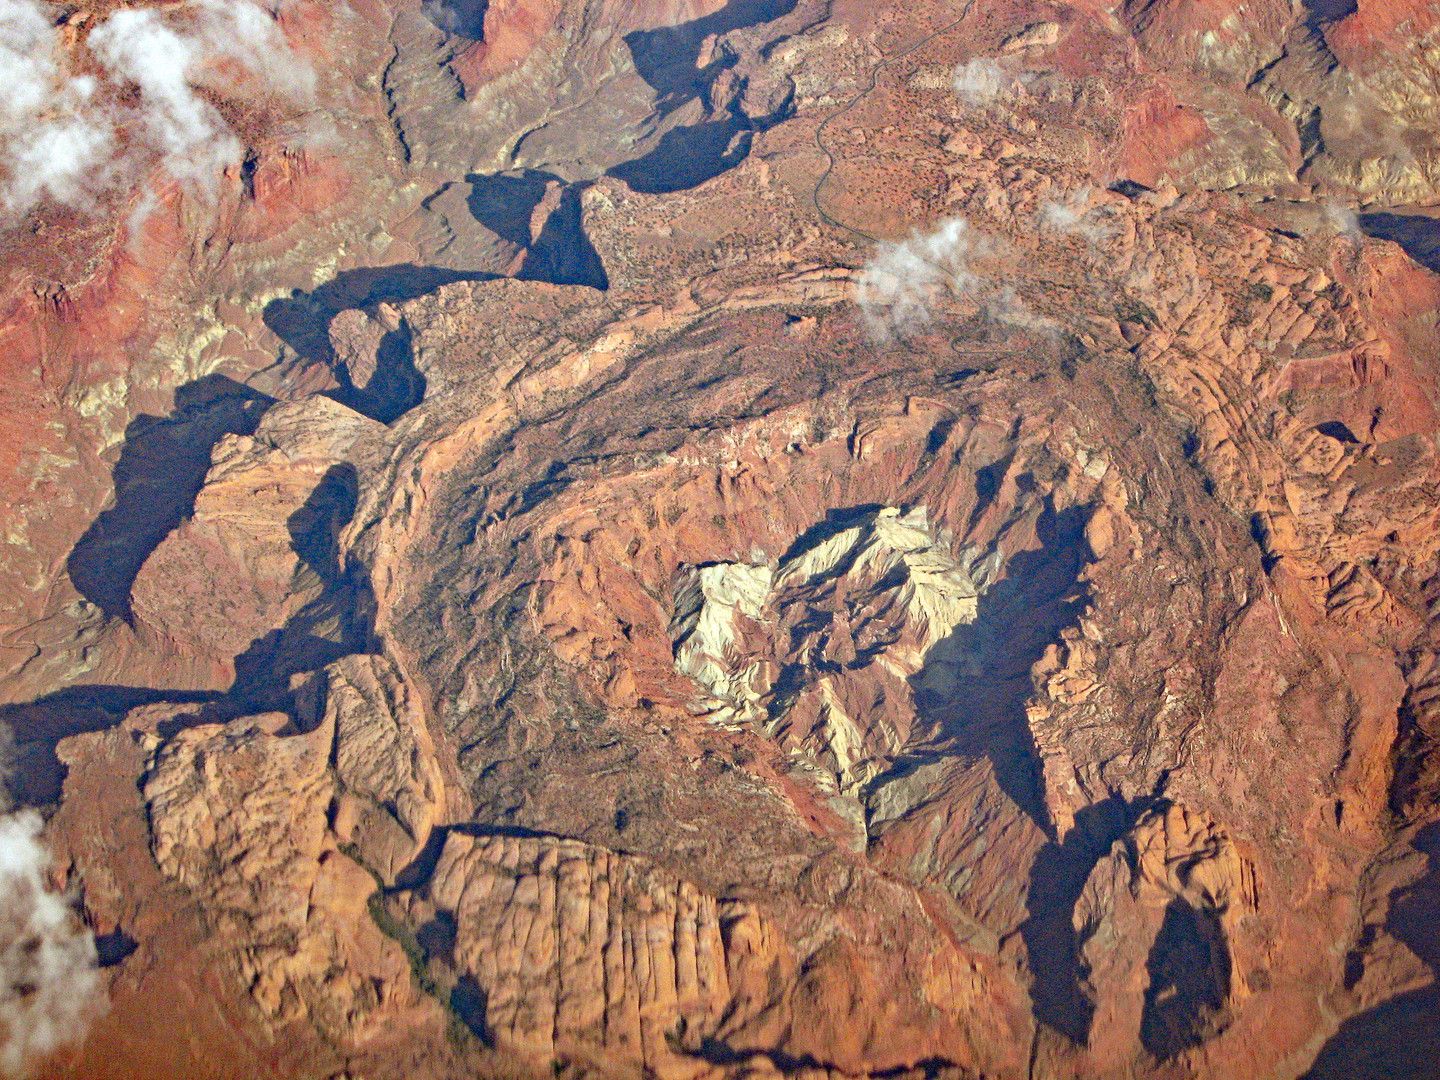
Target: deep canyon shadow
x=505, y=202
x=1417, y=234
x=1052, y=946
x=1329, y=10
x=558, y=252
x=1016, y=619
x=161, y=468
x=33, y=775
x=669, y=60
x=1189, y=981
x=462, y=18
x=688, y=156
x=338, y=622
x=163, y=460
x=302, y=321
x=1398, y=1039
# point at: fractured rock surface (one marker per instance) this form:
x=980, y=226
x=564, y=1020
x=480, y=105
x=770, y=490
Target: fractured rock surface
x=579, y=950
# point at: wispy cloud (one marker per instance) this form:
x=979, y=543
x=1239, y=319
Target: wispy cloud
x=49, y=984
x=1075, y=212
x=901, y=289
x=1343, y=221
x=52, y=143
x=984, y=81
x=71, y=138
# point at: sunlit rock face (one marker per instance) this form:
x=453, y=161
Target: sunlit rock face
x=727, y=541
x=813, y=650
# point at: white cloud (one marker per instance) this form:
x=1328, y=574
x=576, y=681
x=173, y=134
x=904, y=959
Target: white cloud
x=49, y=984
x=194, y=141
x=982, y=81
x=61, y=134
x=900, y=288
x=1073, y=212
x=1065, y=213
x=1005, y=306
x=1343, y=220
x=24, y=33
x=247, y=33
x=51, y=142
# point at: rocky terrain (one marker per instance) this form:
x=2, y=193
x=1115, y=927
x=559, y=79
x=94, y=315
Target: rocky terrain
x=697, y=539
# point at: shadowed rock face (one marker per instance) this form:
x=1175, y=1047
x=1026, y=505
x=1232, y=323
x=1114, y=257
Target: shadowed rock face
x=690, y=543
x=161, y=468
x=1189, y=969
x=461, y=18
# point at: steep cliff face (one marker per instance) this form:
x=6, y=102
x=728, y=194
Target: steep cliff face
x=783, y=539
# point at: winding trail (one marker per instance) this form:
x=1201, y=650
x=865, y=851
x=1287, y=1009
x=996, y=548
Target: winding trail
x=874, y=81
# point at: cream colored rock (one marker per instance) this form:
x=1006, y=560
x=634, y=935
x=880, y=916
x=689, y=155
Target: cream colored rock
x=239, y=816
x=891, y=592
x=384, y=762
x=580, y=951
x=272, y=502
